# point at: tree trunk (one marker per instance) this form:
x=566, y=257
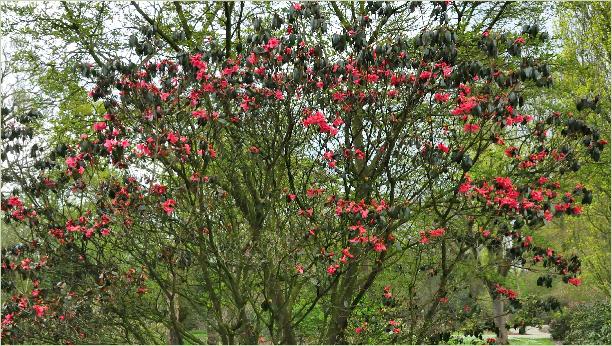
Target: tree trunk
x=174, y=336
x=500, y=320
x=212, y=337
x=284, y=319
x=341, y=305
x=280, y=308
x=337, y=326
x=499, y=316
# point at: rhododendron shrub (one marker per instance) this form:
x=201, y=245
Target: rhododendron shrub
x=259, y=187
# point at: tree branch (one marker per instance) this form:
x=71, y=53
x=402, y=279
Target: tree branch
x=340, y=16
x=77, y=28
x=498, y=16
x=162, y=34
x=227, y=9
x=181, y=14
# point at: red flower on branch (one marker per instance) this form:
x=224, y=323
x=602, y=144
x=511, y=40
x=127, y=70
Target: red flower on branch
x=168, y=206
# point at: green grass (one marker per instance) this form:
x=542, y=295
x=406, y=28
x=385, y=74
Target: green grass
x=202, y=335
x=525, y=341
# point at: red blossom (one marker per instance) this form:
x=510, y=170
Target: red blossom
x=332, y=269
x=441, y=97
x=159, y=189
x=387, y=292
x=424, y=239
x=511, y=151
x=360, y=155
x=465, y=106
x=379, y=247
x=510, y=294
x=319, y=119
x=14, y=201
x=471, y=128
x=40, y=310
x=465, y=187
x=437, y=232
x=200, y=114
x=442, y=147
x=99, y=126
x=168, y=206
x=8, y=319
x=273, y=42
x=425, y=75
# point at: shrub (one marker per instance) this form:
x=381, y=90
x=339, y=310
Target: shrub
x=535, y=311
x=583, y=324
x=559, y=326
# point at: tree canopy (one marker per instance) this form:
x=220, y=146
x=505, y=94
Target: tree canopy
x=295, y=172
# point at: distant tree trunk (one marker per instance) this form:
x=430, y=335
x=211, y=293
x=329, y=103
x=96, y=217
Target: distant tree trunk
x=174, y=336
x=500, y=320
x=212, y=337
x=499, y=315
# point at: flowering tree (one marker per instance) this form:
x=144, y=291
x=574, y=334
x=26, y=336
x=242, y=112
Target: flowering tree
x=274, y=186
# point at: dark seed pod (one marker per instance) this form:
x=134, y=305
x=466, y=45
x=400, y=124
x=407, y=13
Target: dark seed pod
x=477, y=110
x=596, y=154
x=456, y=156
x=277, y=21
x=466, y=163
x=525, y=29
x=512, y=97
x=572, y=125
x=533, y=30
x=257, y=24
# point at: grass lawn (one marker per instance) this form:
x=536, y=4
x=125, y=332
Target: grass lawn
x=526, y=341
x=202, y=335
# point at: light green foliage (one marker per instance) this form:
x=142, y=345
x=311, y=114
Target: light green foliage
x=584, y=70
